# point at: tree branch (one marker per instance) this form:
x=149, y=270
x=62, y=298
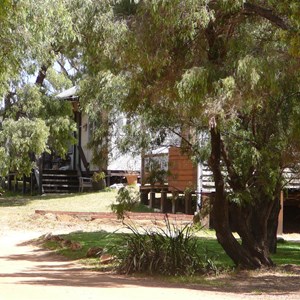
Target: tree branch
x=188, y=143
x=267, y=14
x=64, y=69
x=41, y=75
x=234, y=180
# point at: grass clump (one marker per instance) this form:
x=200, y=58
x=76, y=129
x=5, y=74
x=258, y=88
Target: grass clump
x=170, y=251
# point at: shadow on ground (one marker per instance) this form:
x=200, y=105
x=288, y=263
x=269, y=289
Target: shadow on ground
x=53, y=270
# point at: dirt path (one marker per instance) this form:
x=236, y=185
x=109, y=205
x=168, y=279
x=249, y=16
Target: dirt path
x=28, y=272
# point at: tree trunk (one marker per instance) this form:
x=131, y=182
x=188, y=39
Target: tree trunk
x=273, y=224
x=41, y=75
x=252, y=253
x=255, y=233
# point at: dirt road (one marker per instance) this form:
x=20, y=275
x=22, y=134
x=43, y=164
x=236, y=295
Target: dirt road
x=30, y=273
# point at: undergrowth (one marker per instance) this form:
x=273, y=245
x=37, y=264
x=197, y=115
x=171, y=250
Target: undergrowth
x=128, y=199
x=172, y=250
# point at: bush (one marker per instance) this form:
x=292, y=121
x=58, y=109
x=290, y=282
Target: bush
x=169, y=251
x=127, y=199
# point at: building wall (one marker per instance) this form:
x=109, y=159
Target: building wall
x=183, y=173
x=117, y=161
x=85, y=137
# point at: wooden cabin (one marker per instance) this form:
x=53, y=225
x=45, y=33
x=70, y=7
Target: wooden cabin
x=186, y=184
x=177, y=186
x=182, y=172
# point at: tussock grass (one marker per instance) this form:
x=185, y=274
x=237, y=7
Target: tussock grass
x=206, y=249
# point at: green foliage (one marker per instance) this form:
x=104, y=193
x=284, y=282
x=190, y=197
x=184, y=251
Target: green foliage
x=141, y=208
x=183, y=73
x=170, y=251
x=210, y=252
x=18, y=139
x=155, y=174
x=193, y=86
x=59, y=118
x=101, y=95
x=103, y=91
x=126, y=7
x=223, y=65
x=127, y=198
x=166, y=65
x=35, y=123
x=58, y=81
x=231, y=5
x=33, y=35
x=98, y=176
x=29, y=101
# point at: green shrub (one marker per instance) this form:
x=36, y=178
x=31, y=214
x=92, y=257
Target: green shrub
x=98, y=176
x=170, y=251
x=127, y=199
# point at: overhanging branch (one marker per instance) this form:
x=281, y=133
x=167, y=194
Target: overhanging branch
x=266, y=13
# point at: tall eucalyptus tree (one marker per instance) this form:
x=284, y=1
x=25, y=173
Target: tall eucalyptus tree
x=231, y=67
x=33, y=36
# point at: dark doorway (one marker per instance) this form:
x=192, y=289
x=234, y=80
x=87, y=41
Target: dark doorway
x=291, y=217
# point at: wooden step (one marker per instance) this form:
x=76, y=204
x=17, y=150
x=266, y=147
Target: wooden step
x=60, y=181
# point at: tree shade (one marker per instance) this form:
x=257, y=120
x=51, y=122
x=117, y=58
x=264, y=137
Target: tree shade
x=229, y=68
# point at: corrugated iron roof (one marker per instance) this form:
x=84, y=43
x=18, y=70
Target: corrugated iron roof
x=69, y=93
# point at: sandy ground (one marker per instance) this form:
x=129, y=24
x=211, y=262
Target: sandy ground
x=28, y=272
